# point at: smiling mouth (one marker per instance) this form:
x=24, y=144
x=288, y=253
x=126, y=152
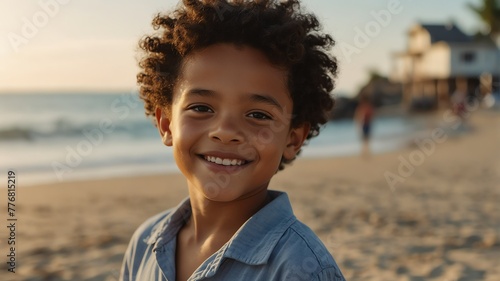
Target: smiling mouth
x=224, y=161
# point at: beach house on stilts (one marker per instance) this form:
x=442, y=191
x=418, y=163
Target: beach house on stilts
x=441, y=60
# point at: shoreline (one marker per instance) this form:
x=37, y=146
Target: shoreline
x=441, y=221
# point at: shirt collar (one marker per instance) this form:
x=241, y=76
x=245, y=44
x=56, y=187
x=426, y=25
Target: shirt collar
x=169, y=226
x=255, y=240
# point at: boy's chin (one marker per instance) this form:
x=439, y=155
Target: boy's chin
x=225, y=195
x=218, y=194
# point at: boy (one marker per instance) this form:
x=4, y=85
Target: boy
x=235, y=88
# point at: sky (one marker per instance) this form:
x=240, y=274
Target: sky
x=91, y=45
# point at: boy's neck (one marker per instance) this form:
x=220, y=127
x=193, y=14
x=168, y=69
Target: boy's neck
x=211, y=219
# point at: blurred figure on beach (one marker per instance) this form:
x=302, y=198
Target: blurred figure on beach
x=364, y=117
x=459, y=99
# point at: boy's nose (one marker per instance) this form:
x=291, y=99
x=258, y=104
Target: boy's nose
x=226, y=130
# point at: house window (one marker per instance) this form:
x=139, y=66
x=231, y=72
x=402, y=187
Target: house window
x=468, y=57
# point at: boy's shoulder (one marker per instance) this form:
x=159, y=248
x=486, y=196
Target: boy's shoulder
x=301, y=249
x=287, y=248
x=155, y=226
x=148, y=228
x=146, y=234
x=305, y=240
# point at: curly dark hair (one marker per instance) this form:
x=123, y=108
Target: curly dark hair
x=289, y=37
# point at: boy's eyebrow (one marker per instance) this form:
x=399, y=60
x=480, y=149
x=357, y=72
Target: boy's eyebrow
x=261, y=98
x=266, y=99
x=200, y=92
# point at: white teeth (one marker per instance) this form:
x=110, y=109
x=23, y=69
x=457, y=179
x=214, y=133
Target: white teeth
x=225, y=162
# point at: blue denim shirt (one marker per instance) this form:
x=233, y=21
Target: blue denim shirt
x=271, y=245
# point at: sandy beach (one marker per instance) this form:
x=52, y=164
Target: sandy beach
x=428, y=212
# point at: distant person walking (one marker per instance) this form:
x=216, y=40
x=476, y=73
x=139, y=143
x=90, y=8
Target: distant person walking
x=459, y=99
x=363, y=117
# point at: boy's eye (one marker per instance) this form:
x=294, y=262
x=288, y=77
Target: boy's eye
x=260, y=116
x=200, y=108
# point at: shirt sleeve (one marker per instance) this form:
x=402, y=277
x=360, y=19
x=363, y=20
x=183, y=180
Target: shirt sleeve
x=125, y=270
x=138, y=248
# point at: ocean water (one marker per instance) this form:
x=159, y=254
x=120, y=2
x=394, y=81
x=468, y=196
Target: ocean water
x=75, y=136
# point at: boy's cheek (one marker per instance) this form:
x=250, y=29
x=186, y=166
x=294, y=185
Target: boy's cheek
x=268, y=137
x=247, y=151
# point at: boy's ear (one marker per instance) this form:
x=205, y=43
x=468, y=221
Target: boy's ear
x=163, y=125
x=296, y=138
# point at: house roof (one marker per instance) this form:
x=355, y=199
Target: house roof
x=448, y=33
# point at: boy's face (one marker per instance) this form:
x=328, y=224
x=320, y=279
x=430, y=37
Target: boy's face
x=230, y=122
